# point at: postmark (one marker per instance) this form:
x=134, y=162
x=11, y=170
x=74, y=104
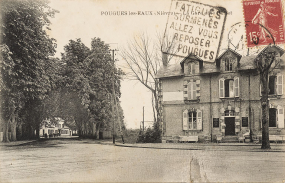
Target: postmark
x=264, y=22
x=195, y=29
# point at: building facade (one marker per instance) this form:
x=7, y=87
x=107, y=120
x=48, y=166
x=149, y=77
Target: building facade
x=49, y=129
x=220, y=99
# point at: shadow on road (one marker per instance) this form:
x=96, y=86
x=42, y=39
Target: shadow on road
x=42, y=143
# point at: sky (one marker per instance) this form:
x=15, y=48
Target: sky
x=87, y=19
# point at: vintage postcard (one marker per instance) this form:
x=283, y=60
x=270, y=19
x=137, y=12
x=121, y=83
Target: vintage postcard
x=142, y=91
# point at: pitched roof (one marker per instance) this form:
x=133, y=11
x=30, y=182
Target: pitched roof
x=170, y=71
x=247, y=62
x=209, y=68
x=282, y=60
x=190, y=56
x=229, y=50
x=272, y=46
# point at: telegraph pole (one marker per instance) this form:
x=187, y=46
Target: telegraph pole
x=113, y=98
x=143, y=119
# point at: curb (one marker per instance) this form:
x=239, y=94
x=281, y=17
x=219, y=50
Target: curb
x=203, y=147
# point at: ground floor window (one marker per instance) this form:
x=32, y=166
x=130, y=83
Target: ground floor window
x=272, y=117
x=192, y=119
x=276, y=117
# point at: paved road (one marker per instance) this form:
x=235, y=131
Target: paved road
x=87, y=161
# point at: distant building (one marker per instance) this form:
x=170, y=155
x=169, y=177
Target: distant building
x=220, y=99
x=57, y=128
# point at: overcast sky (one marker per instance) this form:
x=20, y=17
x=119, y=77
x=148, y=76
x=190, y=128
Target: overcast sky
x=87, y=19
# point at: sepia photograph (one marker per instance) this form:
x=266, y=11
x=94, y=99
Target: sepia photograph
x=142, y=91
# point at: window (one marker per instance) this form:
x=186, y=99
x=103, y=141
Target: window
x=192, y=120
x=275, y=85
x=272, y=117
x=228, y=64
x=193, y=68
x=192, y=90
x=229, y=112
x=272, y=85
x=276, y=117
x=229, y=87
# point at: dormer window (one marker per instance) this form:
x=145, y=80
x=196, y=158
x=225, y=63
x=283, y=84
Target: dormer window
x=193, y=68
x=228, y=64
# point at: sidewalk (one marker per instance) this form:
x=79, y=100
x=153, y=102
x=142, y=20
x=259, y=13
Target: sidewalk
x=204, y=146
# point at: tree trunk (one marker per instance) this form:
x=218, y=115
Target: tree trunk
x=13, y=123
x=5, y=131
x=79, y=132
x=20, y=130
x=37, y=132
x=265, y=110
x=97, y=131
x=13, y=129
x=93, y=130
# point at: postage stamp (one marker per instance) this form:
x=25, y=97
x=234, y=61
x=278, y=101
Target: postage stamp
x=195, y=29
x=264, y=22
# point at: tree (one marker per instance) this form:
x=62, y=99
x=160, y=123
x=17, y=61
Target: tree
x=143, y=58
x=263, y=63
x=89, y=73
x=7, y=83
x=100, y=71
x=23, y=25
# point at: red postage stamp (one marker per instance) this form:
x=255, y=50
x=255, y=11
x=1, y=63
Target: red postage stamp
x=264, y=22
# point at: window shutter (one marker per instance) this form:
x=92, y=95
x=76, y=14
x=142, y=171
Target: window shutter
x=198, y=88
x=222, y=88
x=280, y=117
x=236, y=86
x=185, y=92
x=185, y=120
x=279, y=84
x=194, y=90
x=190, y=85
x=193, y=68
x=199, y=120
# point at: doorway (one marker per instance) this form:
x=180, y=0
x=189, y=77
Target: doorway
x=230, y=125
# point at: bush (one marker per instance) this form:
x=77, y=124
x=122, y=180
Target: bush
x=150, y=135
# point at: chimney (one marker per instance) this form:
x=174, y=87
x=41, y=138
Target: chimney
x=164, y=59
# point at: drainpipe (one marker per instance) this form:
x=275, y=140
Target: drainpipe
x=211, y=116
x=249, y=109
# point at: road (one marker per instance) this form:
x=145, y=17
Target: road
x=72, y=160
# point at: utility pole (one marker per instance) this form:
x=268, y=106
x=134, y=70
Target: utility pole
x=143, y=119
x=113, y=98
